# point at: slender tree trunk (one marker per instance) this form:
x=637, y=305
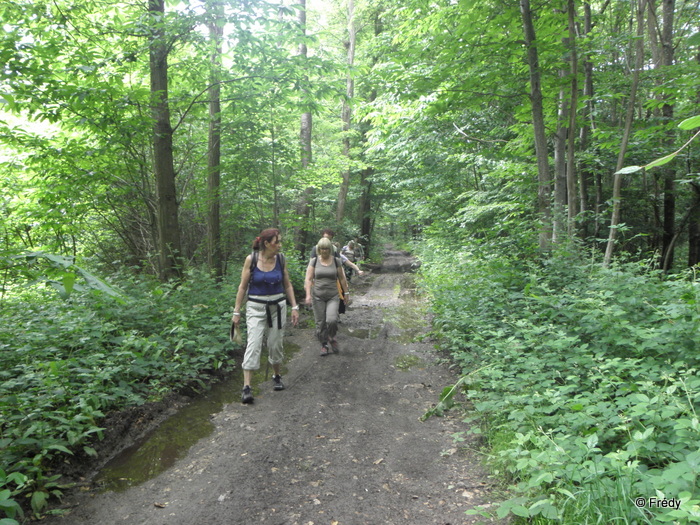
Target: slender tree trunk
x=305, y=129
x=347, y=110
x=669, y=173
x=617, y=181
x=573, y=104
x=168, y=225
x=585, y=130
x=543, y=174
x=560, y=190
x=216, y=32
x=694, y=223
x=694, y=233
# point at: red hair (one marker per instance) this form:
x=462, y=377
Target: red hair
x=265, y=235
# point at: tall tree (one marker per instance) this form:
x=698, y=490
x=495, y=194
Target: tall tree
x=668, y=172
x=305, y=131
x=216, y=32
x=541, y=151
x=617, y=181
x=347, y=108
x=168, y=223
x=571, y=128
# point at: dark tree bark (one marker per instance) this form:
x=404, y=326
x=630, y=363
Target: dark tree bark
x=543, y=174
x=669, y=173
x=168, y=225
x=216, y=32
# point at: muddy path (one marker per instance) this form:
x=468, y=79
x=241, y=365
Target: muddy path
x=344, y=444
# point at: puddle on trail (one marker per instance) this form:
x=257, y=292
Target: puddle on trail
x=171, y=440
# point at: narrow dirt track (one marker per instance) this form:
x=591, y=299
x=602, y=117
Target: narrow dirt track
x=342, y=445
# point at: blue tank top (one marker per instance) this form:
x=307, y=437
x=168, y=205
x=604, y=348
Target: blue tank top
x=267, y=283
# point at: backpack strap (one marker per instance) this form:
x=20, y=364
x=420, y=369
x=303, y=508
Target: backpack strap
x=335, y=260
x=254, y=261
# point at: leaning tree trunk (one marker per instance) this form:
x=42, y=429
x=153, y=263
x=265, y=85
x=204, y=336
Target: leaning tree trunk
x=617, y=181
x=168, y=225
x=543, y=174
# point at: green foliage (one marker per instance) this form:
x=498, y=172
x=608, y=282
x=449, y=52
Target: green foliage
x=10, y=486
x=687, y=124
x=65, y=363
x=583, y=379
x=57, y=271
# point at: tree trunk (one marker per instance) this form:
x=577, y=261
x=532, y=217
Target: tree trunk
x=216, y=32
x=694, y=235
x=585, y=131
x=617, y=182
x=669, y=173
x=306, y=126
x=543, y=174
x=347, y=110
x=573, y=104
x=560, y=190
x=168, y=225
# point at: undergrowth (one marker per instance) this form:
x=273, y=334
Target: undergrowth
x=583, y=379
x=67, y=359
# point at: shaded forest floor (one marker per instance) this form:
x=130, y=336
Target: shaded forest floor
x=344, y=444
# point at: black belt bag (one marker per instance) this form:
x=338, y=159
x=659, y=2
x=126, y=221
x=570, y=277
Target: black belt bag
x=267, y=304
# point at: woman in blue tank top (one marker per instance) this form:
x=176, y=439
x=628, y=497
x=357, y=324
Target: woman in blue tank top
x=265, y=282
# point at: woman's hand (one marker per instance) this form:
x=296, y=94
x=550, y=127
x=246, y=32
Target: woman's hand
x=295, y=317
x=308, y=301
x=236, y=320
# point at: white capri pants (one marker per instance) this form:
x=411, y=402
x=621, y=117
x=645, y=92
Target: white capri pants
x=258, y=318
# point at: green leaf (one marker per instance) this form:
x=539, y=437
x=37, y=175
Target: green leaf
x=9, y=100
x=521, y=511
x=661, y=161
x=60, y=448
x=690, y=123
x=39, y=501
x=628, y=170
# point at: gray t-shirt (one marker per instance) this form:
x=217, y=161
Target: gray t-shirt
x=325, y=277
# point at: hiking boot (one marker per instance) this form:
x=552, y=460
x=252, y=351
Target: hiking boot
x=334, y=345
x=247, y=396
x=277, y=382
x=324, y=349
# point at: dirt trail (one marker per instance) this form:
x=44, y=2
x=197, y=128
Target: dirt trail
x=343, y=444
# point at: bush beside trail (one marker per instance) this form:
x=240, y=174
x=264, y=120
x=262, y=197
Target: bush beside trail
x=66, y=363
x=583, y=379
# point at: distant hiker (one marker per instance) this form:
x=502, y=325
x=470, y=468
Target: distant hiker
x=359, y=250
x=349, y=252
x=324, y=282
x=265, y=282
x=329, y=234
